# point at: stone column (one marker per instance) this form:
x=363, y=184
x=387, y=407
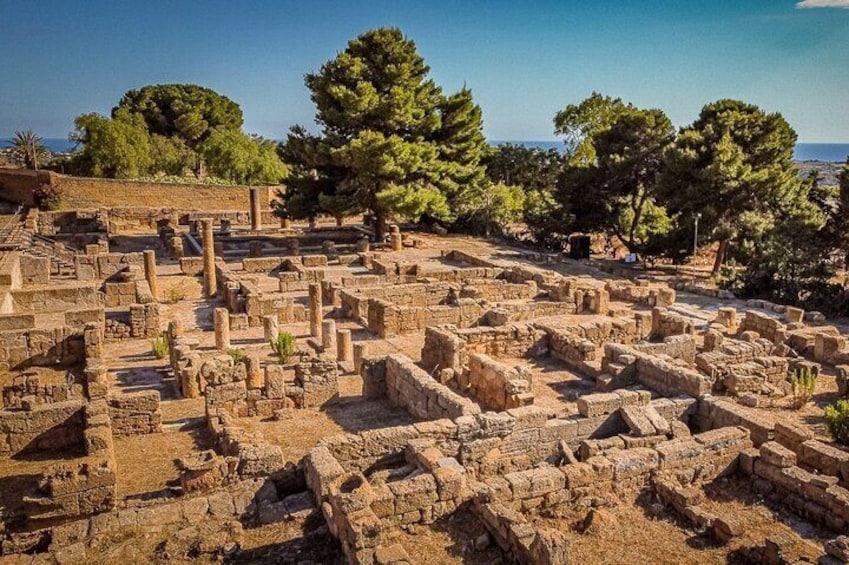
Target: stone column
x=315, y=311
x=271, y=327
x=209, y=284
x=344, y=348
x=150, y=272
x=395, y=238
x=328, y=336
x=221, y=322
x=256, y=211
x=360, y=352
x=363, y=245
x=255, y=376
x=285, y=223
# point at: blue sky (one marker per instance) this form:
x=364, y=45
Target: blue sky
x=524, y=60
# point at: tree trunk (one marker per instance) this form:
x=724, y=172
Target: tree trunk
x=379, y=226
x=720, y=257
x=339, y=220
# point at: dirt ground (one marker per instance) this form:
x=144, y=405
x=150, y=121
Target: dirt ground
x=630, y=533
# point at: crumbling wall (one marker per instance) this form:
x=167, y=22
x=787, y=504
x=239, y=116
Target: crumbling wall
x=135, y=413
x=405, y=384
x=447, y=347
x=662, y=375
x=776, y=473
x=496, y=386
x=765, y=326
x=44, y=427
x=27, y=389
x=255, y=456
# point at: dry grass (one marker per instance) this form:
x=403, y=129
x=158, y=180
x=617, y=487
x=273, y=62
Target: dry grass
x=147, y=463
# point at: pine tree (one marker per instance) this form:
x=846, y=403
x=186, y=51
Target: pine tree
x=462, y=145
x=391, y=144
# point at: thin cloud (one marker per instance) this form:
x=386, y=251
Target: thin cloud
x=844, y=4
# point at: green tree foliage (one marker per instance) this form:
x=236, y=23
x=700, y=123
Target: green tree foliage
x=171, y=130
x=185, y=111
x=536, y=171
x=28, y=149
x=734, y=166
x=532, y=168
x=242, y=159
x=391, y=144
x=171, y=157
x=579, y=124
x=310, y=188
x=462, y=146
x=115, y=148
x=491, y=207
x=609, y=184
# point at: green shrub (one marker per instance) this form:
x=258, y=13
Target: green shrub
x=238, y=355
x=159, y=346
x=837, y=421
x=175, y=294
x=47, y=197
x=284, y=345
x=803, y=381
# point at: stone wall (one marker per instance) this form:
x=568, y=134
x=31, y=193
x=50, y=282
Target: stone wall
x=43, y=428
x=662, y=375
x=448, y=347
x=41, y=347
x=765, y=326
x=254, y=455
x=386, y=319
x=69, y=296
x=496, y=386
x=135, y=413
x=27, y=389
x=777, y=475
x=405, y=384
x=81, y=192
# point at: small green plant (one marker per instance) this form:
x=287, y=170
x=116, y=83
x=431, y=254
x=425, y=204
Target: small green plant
x=837, y=421
x=159, y=346
x=284, y=345
x=47, y=197
x=238, y=355
x=175, y=294
x=803, y=381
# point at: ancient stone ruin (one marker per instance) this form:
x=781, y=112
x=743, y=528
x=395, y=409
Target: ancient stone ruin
x=195, y=379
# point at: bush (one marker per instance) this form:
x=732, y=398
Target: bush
x=159, y=346
x=284, y=345
x=175, y=294
x=238, y=355
x=47, y=197
x=837, y=421
x=803, y=381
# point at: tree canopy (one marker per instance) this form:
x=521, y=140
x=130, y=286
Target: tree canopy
x=734, y=166
x=28, y=149
x=174, y=130
x=391, y=143
x=185, y=111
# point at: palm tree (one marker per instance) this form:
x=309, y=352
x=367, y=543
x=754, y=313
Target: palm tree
x=28, y=148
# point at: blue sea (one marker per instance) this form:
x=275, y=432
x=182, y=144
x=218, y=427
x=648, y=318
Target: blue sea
x=833, y=152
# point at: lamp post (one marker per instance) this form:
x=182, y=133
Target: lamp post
x=696, y=241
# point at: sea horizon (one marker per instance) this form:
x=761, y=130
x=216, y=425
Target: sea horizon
x=822, y=152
